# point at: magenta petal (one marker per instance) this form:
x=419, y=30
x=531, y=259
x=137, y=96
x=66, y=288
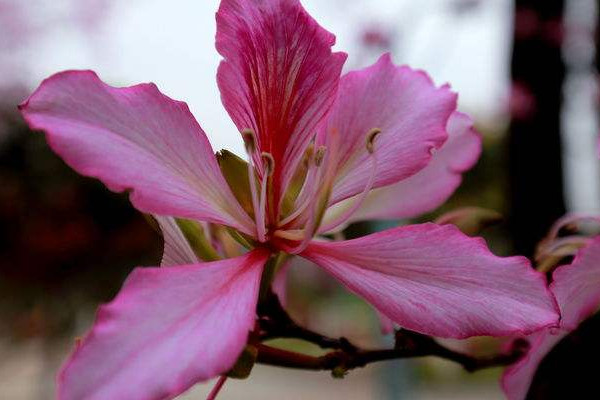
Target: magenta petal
x=429, y=188
x=577, y=286
x=279, y=76
x=518, y=377
x=435, y=280
x=408, y=109
x=577, y=290
x=167, y=329
x=137, y=139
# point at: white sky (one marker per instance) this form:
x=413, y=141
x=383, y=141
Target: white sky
x=171, y=43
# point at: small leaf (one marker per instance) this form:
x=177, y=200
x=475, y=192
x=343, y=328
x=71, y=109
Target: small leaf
x=235, y=171
x=243, y=239
x=194, y=234
x=293, y=189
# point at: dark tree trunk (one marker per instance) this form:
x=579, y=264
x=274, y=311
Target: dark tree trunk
x=535, y=150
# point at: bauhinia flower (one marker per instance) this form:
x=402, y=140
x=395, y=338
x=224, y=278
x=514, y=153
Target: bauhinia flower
x=576, y=287
x=323, y=150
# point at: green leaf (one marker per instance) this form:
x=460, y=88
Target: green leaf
x=296, y=184
x=235, y=171
x=194, y=234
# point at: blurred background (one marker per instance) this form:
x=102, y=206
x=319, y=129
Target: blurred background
x=526, y=70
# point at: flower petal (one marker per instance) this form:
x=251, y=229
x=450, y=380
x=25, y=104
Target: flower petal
x=427, y=189
x=517, y=378
x=177, y=250
x=577, y=290
x=135, y=138
x=167, y=329
x=577, y=286
x=435, y=280
x=279, y=76
x=408, y=109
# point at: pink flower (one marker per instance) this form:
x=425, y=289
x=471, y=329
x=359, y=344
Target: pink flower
x=576, y=287
x=324, y=150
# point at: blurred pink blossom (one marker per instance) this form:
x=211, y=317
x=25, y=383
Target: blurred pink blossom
x=576, y=287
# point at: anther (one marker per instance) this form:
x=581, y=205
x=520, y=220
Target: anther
x=370, y=144
x=320, y=155
x=249, y=138
x=268, y=163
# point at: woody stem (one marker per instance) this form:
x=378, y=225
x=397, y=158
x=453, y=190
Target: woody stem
x=276, y=323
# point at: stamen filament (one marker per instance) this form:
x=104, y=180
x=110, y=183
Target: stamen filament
x=250, y=145
x=294, y=234
x=309, y=231
x=359, y=200
x=306, y=197
x=554, y=248
x=314, y=217
x=269, y=164
x=307, y=193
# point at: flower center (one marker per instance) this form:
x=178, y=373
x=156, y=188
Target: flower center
x=304, y=222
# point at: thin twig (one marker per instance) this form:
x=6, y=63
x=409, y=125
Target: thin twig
x=276, y=323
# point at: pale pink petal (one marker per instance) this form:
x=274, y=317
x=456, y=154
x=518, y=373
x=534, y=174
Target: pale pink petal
x=279, y=76
x=137, y=139
x=436, y=280
x=427, y=189
x=177, y=250
x=408, y=109
x=577, y=290
x=166, y=330
x=517, y=378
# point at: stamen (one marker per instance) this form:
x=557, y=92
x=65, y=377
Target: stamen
x=294, y=234
x=309, y=232
x=250, y=143
x=268, y=163
x=320, y=155
x=269, y=166
x=308, y=157
x=307, y=193
x=370, y=145
x=249, y=138
x=566, y=246
x=571, y=219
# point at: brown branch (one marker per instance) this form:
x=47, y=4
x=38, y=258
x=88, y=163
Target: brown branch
x=274, y=322
x=339, y=361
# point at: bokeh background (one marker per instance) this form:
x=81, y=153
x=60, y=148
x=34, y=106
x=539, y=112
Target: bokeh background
x=527, y=71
